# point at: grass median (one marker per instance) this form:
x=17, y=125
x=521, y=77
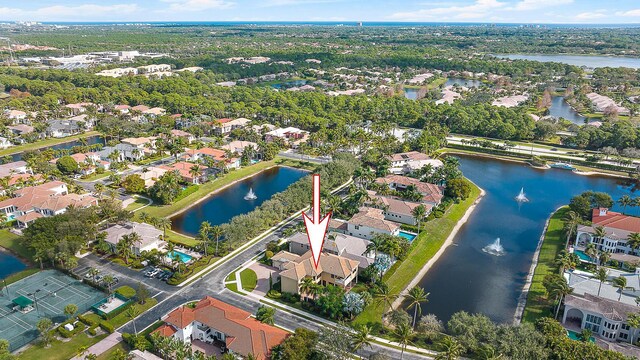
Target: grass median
x=554, y=241
x=425, y=246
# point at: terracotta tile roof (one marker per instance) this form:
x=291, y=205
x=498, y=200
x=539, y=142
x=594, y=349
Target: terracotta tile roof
x=409, y=156
x=183, y=168
x=611, y=309
x=165, y=330
x=223, y=120
x=373, y=218
x=245, y=335
x=329, y=263
x=395, y=205
x=431, y=192
x=140, y=108
x=29, y=217
x=615, y=220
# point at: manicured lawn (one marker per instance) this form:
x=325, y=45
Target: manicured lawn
x=231, y=277
x=554, y=241
x=424, y=247
x=59, y=350
x=140, y=202
x=181, y=239
x=233, y=287
x=96, y=176
x=15, y=243
x=122, y=318
x=249, y=279
x=45, y=143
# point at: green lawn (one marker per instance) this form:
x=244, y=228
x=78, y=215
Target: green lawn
x=20, y=275
x=140, y=202
x=122, y=318
x=233, y=287
x=45, y=143
x=249, y=279
x=181, y=239
x=15, y=244
x=95, y=176
x=59, y=350
x=537, y=306
x=424, y=247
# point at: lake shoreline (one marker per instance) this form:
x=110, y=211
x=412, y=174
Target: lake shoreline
x=449, y=240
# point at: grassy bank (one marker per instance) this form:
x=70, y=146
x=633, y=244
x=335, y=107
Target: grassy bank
x=160, y=211
x=59, y=350
x=45, y=143
x=537, y=306
x=15, y=244
x=424, y=247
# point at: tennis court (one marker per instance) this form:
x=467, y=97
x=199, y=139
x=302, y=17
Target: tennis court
x=42, y=295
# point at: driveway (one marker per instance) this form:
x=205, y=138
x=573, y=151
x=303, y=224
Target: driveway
x=263, y=272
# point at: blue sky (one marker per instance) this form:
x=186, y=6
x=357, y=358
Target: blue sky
x=518, y=11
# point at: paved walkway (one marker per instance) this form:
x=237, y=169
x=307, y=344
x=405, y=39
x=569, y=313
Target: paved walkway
x=263, y=272
x=102, y=346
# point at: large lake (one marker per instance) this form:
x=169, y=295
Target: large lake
x=92, y=140
x=220, y=207
x=579, y=60
x=465, y=277
x=9, y=264
x=561, y=109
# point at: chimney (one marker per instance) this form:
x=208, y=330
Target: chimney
x=603, y=211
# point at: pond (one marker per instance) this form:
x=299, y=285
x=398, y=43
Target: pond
x=579, y=60
x=289, y=84
x=468, y=278
x=220, y=207
x=10, y=264
x=468, y=83
x=411, y=93
x=561, y=109
x=92, y=140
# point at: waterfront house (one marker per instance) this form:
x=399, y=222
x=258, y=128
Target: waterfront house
x=617, y=229
x=408, y=162
x=291, y=135
x=21, y=129
x=431, y=193
x=215, y=155
x=124, y=151
x=339, y=244
x=396, y=209
x=62, y=128
x=217, y=327
x=5, y=143
x=16, y=116
x=238, y=146
x=332, y=270
x=150, y=237
x=368, y=222
x=186, y=172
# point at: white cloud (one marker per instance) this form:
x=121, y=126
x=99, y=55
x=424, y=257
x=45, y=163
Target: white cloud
x=539, y=4
x=631, y=13
x=77, y=12
x=478, y=9
x=197, y=5
x=269, y=3
x=591, y=15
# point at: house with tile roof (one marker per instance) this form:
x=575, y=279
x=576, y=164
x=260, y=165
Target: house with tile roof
x=431, y=193
x=186, y=172
x=332, y=270
x=408, y=162
x=216, y=155
x=396, y=209
x=150, y=236
x=617, y=228
x=339, y=244
x=368, y=222
x=225, y=126
x=227, y=328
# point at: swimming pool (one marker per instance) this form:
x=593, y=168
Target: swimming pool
x=582, y=256
x=576, y=336
x=182, y=256
x=407, y=235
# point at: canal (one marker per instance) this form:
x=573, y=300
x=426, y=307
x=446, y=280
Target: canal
x=220, y=207
x=466, y=277
x=92, y=140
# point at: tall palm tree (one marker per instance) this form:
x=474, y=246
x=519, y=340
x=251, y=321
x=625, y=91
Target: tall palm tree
x=132, y=314
x=604, y=257
x=571, y=221
x=601, y=275
x=305, y=286
x=383, y=296
x=566, y=261
x=416, y=297
x=123, y=248
x=625, y=201
x=216, y=232
x=403, y=335
x=599, y=233
x=419, y=212
x=633, y=320
x=195, y=171
x=557, y=289
x=450, y=349
x=361, y=338
x=592, y=251
x=164, y=224
x=633, y=241
x=374, y=245
x=205, y=233
x=620, y=282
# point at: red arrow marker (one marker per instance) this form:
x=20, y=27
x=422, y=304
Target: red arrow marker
x=316, y=228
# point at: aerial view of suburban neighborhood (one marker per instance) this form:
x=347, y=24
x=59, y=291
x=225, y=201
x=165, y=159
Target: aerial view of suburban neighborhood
x=319, y=180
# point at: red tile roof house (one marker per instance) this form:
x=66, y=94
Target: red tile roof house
x=184, y=169
x=198, y=155
x=617, y=227
x=431, y=193
x=48, y=199
x=213, y=323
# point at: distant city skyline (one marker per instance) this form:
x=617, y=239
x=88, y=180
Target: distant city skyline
x=484, y=11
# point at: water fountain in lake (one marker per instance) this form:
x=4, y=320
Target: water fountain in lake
x=250, y=195
x=495, y=248
x=521, y=196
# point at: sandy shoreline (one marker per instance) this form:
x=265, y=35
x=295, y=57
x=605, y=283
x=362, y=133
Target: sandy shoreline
x=416, y=279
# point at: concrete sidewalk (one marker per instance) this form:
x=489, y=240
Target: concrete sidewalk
x=102, y=346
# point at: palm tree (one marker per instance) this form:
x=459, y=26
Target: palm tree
x=591, y=251
x=383, y=296
x=566, y=261
x=216, y=232
x=360, y=338
x=571, y=221
x=633, y=241
x=98, y=188
x=132, y=314
x=419, y=212
x=416, y=297
x=633, y=320
x=195, y=171
x=403, y=334
x=620, y=282
x=305, y=286
x=164, y=224
x=625, y=201
x=450, y=349
x=123, y=248
x=599, y=233
x=205, y=233
x=374, y=245
x=93, y=272
x=601, y=275
x=604, y=257
x=108, y=279
x=557, y=287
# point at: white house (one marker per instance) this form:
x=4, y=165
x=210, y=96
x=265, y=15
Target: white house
x=407, y=162
x=396, y=209
x=150, y=237
x=370, y=221
x=617, y=229
x=5, y=143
